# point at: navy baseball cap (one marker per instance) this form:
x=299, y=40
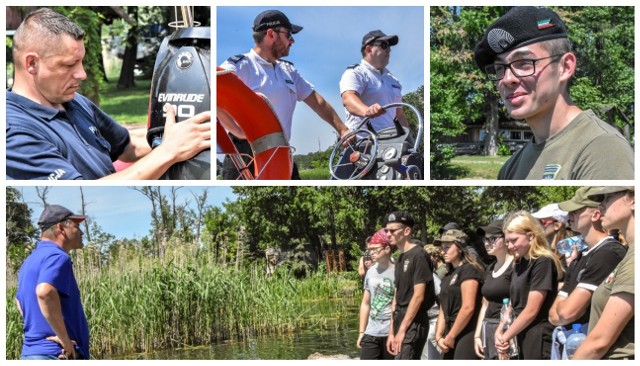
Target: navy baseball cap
x=520, y=26
x=54, y=214
x=272, y=19
x=378, y=35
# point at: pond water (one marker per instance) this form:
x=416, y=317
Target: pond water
x=339, y=338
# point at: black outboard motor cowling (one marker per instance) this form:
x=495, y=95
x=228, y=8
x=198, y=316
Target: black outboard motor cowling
x=182, y=77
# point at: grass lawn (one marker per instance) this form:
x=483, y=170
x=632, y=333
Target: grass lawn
x=477, y=166
x=317, y=174
x=126, y=106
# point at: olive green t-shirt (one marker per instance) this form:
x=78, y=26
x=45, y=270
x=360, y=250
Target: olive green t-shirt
x=588, y=148
x=619, y=281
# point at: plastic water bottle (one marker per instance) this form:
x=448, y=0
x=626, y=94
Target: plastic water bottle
x=565, y=246
x=574, y=341
x=506, y=316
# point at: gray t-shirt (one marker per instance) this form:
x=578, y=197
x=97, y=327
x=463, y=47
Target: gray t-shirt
x=380, y=285
x=588, y=148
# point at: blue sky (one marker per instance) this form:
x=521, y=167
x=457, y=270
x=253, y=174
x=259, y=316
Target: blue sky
x=120, y=211
x=329, y=42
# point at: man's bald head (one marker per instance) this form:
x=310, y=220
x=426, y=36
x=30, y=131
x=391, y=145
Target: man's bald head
x=39, y=31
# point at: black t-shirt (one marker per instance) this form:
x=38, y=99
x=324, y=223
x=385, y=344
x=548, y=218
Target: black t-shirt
x=591, y=269
x=496, y=289
x=538, y=274
x=414, y=267
x=451, y=292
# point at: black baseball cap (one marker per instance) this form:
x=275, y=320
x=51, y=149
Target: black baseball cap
x=272, y=19
x=54, y=214
x=402, y=217
x=449, y=226
x=378, y=35
x=494, y=228
x=520, y=26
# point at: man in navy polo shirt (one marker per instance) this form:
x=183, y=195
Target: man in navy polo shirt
x=55, y=133
x=48, y=297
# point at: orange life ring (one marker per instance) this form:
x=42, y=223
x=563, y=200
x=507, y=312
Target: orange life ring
x=272, y=157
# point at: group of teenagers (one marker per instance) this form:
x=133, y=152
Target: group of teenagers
x=444, y=300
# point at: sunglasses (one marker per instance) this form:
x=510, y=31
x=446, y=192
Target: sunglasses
x=383, y=45
x=287, y=34
x=490, y=240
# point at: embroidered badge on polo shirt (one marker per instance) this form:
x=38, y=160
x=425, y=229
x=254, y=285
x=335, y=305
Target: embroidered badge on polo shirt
x=551, y=171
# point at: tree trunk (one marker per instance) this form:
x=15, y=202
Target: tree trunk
x=83, y=212
x=491, y=141
x=42, y=192
x=126, y=79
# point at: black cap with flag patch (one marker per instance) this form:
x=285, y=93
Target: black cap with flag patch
x=520, y=26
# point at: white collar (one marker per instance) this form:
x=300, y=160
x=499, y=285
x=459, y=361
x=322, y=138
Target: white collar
x=597, y=244
x=370, y=67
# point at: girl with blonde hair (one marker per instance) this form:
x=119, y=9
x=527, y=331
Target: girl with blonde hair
x=534, y=286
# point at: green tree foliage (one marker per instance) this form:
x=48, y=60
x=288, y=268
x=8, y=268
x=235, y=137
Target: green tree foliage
x=342, y=217
x=459, y=91
x=602, y=37
x=21, y=233
x=91, y=22
x=416, y=99
x=554, y=194
x=318, y=159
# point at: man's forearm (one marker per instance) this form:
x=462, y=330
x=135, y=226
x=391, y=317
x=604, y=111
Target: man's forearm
x=150, y=167
x=137, y=148
x=49, y=303
x=353, y=104
x=412, y=311
x=325, y=111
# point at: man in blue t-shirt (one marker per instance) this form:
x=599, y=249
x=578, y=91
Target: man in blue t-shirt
x=55, y=133
x=48, y=297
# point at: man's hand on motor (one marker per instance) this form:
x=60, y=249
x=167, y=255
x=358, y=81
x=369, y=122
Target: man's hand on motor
x=186, y=139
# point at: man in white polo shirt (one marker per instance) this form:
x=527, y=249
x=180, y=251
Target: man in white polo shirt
x=264, y=71
x=367, y=86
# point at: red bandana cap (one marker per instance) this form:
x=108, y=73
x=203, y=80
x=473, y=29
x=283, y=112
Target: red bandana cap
x=380, y=237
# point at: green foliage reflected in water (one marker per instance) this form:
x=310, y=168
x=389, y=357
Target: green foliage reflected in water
x=334, y=335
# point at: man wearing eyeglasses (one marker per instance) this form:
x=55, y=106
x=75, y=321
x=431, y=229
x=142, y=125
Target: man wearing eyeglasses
x=602, y=255
x=367, y=86
x=264, y=71
x=527, y=53
x=414, y=290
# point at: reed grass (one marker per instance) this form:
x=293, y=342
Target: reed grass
x=138, y=304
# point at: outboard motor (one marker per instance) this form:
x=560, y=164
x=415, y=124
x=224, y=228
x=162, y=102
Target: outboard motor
x=182, y=77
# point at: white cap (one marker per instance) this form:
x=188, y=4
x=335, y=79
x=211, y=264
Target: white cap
x=552, y=211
